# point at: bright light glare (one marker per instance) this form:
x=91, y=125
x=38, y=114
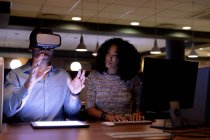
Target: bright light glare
x=134, y=23
x=76, y=18
x=75, y=66
x=186, y=28
x=58, y=123
x=155, y=52
x=15, y=63
x=192, y=56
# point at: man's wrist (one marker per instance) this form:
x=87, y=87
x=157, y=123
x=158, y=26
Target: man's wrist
x=73, y=94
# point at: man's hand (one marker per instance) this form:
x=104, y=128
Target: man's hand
x=77, y=84
x=36, y=73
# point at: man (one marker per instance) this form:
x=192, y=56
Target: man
x=38, y=91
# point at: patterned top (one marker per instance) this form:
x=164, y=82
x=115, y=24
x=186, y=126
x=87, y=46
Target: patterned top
x=112, y=95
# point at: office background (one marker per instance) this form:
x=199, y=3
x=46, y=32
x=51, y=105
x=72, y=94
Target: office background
x=104, y=19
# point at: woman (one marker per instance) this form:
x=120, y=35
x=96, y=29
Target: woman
x=113, y=90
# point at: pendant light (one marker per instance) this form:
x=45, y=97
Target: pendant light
x=95, y=52
x=193, y=53
x=81, y=47
x=155, y=48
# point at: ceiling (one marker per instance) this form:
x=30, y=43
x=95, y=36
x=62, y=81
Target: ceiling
x=168, y=14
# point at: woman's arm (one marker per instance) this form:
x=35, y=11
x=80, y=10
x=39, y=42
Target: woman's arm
x=137, y=114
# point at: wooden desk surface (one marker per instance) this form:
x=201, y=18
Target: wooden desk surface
x=96, y=131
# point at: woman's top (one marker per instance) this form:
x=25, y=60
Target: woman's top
x=112, y=95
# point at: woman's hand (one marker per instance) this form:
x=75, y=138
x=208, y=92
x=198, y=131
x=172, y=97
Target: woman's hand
x=77, y=84
x=135, y=117
x=114, y=118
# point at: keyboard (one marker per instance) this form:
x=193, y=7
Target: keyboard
x=127, y=123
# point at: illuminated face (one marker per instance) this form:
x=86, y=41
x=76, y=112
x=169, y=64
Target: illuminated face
x=48, y=53
x=112, y=60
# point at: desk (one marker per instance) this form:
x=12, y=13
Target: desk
x=96, y=131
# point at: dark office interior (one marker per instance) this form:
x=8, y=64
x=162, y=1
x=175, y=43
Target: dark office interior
x=158, y=20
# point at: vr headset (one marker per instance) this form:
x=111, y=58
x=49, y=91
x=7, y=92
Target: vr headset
x=47, y=41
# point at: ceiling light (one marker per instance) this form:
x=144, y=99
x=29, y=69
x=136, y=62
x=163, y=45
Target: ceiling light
x=193, y=54
x=96, y=50
x=155, y=49
x=76, y=18
x=15, y=63
x=186, y=28
x=134, y=23
x=81, y=47
x=75, y=66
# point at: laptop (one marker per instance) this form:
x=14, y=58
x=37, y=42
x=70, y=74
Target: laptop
x=1, y=91
x=59, y=124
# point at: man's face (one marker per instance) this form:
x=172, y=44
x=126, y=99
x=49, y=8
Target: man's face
x=48, y=53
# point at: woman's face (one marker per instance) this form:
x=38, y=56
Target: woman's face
x=112, y=60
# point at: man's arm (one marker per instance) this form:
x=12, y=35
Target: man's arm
x=72, y=104
x=14, y=94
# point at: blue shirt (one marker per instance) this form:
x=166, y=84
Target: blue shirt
x=50, y=98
